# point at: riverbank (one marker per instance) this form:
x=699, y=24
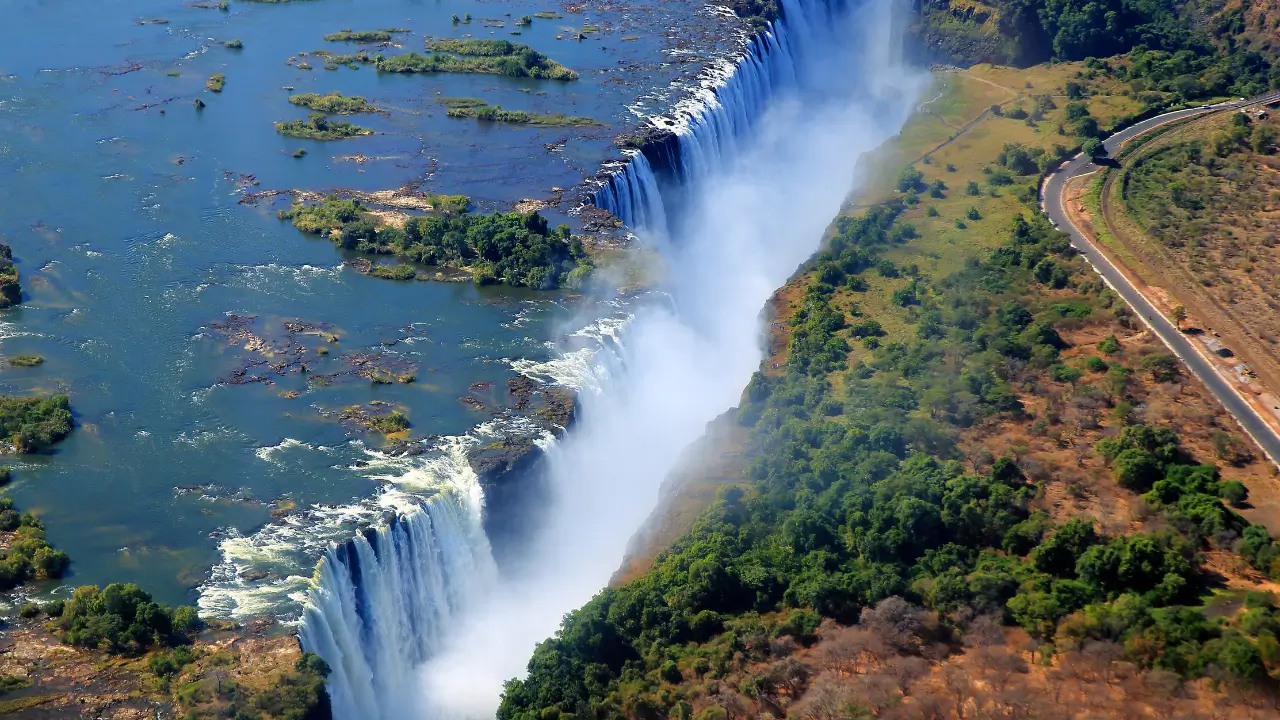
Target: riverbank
x=258, y=668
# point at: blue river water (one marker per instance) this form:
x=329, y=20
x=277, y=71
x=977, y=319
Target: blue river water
x=121, y=204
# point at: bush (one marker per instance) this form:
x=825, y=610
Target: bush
x=1095, y=364
x=910, y=179
x=333, y=103
x=1162, y=366
x=35, y=423
x=319, y=127
x=1136, y=469
x=391, y=423
x=1109, y=345
x=1234, y=492
x=121, y=619
x=1065, y=373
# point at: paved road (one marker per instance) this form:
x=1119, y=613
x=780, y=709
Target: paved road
x=1055, y=207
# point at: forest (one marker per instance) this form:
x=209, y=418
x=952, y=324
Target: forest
x=859, y=495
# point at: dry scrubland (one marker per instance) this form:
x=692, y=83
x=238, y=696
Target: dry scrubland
x=1196, y=210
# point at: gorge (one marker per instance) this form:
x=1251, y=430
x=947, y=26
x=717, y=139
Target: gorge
x=418, y=619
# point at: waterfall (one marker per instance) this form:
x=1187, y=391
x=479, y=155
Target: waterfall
x=747, y=182
x=382, y=600
x=725, y=112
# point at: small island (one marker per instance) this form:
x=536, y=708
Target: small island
x=334, y=103
x=10, y=288
x=319, y=127
x=364, y=36
x=481, y=110
x=216, y=82
x=491, y=57
x=32, y=424
x=518, y=249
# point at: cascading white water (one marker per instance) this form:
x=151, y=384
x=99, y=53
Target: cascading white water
x=725, y=112
x=382, y=600
x=756, y=173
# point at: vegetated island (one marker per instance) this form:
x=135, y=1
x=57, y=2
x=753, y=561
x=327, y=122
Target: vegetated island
x=216, y=82
x=481, y=110
x=31, y=424
x=10, y=288
x=513, y=248
x=491, y=57
x=319, y=127
x=364, y=36
x=333, y=103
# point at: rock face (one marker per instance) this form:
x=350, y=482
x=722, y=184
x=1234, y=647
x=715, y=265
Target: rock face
x=511, y=469
x=943, y=31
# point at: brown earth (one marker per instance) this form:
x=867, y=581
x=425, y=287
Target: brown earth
x=70, y=682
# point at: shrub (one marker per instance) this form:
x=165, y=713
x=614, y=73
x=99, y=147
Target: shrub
x=1065, y=373
x=1234, y=492
x=1095, y=364
x=1162, y=366
x=910, y=179
x=35, y=423
x=1109, y=345
x=122, y=619
x=1136, y=469
x=391, y=423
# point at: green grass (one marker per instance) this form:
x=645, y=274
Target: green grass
x=9, y=683
x=461, y=102
x=334, y=103
x=393, y=272
x=321, y=128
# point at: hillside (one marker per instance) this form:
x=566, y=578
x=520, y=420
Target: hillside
x=972, y=484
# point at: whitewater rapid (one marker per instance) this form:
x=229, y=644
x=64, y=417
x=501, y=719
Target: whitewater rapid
x=414, y=617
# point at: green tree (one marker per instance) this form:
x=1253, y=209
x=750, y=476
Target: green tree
x=1234, y=492
x=1136, y=469
x=910, y=179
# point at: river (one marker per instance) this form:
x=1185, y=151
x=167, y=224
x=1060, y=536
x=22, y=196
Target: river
x=733, y=203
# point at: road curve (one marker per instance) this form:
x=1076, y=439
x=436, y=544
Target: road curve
x=1054, y=203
